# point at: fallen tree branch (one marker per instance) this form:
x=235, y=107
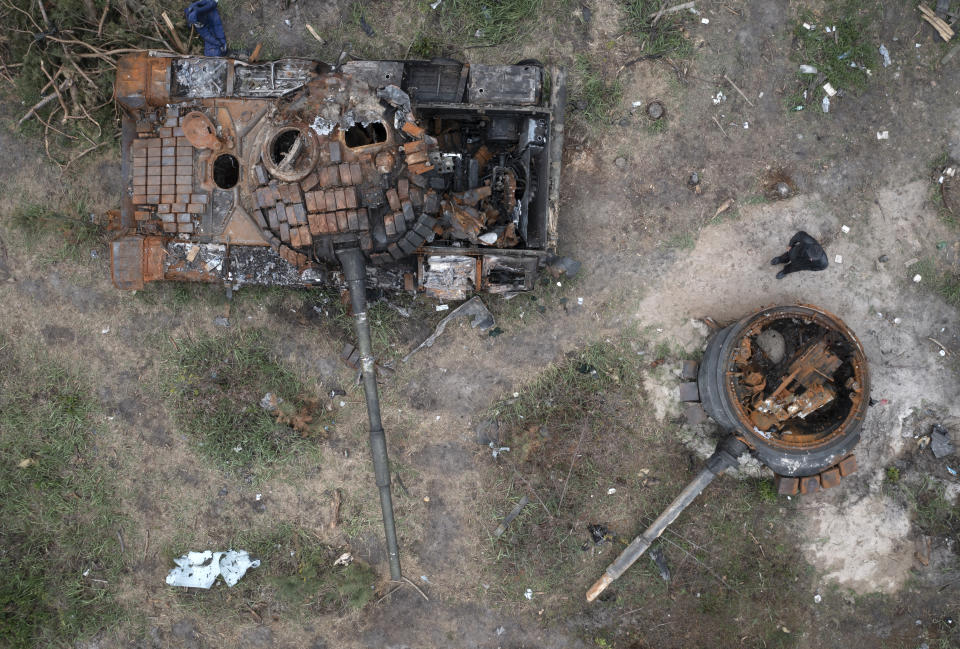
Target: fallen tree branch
x=43, y=102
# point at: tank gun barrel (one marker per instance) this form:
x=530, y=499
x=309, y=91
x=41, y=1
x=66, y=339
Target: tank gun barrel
x=724, y=457
x=355, y=274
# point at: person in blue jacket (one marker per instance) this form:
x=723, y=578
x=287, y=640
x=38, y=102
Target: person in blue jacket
x=204, y=17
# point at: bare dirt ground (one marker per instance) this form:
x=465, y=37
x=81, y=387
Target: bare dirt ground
x=654, y=260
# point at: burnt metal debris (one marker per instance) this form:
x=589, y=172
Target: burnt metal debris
x=437, y=176
x=445, y=175
x=790, y=385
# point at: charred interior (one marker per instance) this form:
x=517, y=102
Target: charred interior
x=795, y=380
x=444, y=174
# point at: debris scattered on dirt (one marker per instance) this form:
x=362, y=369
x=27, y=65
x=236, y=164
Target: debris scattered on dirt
x=885, y=53
x=660, y=561
x=558, y=266
x=940, y=442
x=344, y=559
x=270, y=402
x=512, y=515
x=599, y=533
x=474, y=308
x=201, y=569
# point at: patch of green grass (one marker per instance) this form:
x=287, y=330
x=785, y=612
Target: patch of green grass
x=933, y=514
x=214, y=386
x=665, y=37
x=841, y=56
x=296, y=574
x=72, y=228
x=59, y=553
x=945, y=283
x=892, y=475
x=426, y=46
x=595, y=97
x=657, y=126
x=681, y=241
x=485, y=22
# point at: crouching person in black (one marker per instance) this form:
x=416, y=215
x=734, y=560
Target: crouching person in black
x=804, y=253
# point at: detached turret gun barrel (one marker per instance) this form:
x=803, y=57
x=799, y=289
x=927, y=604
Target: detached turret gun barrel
x=728, y=450
x=355, y=274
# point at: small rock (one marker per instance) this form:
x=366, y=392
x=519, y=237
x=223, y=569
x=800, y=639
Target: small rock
x=655, y=110
x=884, y=259
x=694, y=179
x=940, y=442
x=221, y=321
x=620, y=162
x=783, y=189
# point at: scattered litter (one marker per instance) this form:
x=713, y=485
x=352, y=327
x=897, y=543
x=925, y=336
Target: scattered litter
x=845, y=229
x=598, y=533
x=237, y=448
x=942, y=352
x=897, y=321
x=808, y=69
x=221, y=321
x=746, y=125
x=434, y=5
x=270, y=402
x=831, y=29
x=497, y=449
x=579, y=301
x=917, y=278
x=885, y=53
x=952, y=471
x=829, y=89
x=201, y=569
x=611, y=491
x=883, y=135
x=512, y=515
x=488, y=238
x=501, y=630
x=660, y=561
x=259, y=497
x=105, y=330
x=25, y=463
x=718, y=98
x=940, y=442
x=838, y=259
x=344, y=559
x=817, y=599
x=705, y=21
x=636, y=104
x=825, y=104
x=808, y=26
x=480, y=318
x=528, y=594
x=424, y=579
x=910, y=262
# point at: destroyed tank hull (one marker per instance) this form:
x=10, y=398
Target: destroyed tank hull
x=805, y=444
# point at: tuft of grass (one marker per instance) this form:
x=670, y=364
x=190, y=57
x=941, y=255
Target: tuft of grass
x=841, y=56
x=214, y=388
x=933, y=514
x=892, y=475
x=482, y=21
x=595, y=97
x=665, y=37
x=425, y=46
x=74, y=230
x=681, y=241
x=945, y=283
x=59, y=551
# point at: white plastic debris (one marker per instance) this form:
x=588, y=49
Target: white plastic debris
x=488, y=238
x=424, y=579
x=611, y=491
x=845, y=229
x=258, y=497
x=817, y=599
x=746, y=125
x=579, y=301
x=528, y=594
x=443, y=307
x=201, y=569
x=883, y=135
x=808, y=69
x=344, y=559
x=105, y=330
x=885, y=53
x=808, y=26
x=705, y=21
x=637, y=104
x=829, y=89
x=897, y=320
x=825, y=104
x=838, y=259
x=434, y=5
x=916, y=279
x=718, y=98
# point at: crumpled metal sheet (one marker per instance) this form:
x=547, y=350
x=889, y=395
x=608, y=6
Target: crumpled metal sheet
x=201, y=569
x=474, y=308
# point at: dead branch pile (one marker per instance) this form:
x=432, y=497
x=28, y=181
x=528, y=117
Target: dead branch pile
x=61, y=60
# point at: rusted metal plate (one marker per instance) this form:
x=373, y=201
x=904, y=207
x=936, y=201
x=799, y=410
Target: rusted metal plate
x=786, y=486
x=689, y=391
x=695, y=414
x=830, y=478
x=689, y=370
x=200, y=130
x=126, y=263
x=810, y=484
x=505, y=84
x=847, y=466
